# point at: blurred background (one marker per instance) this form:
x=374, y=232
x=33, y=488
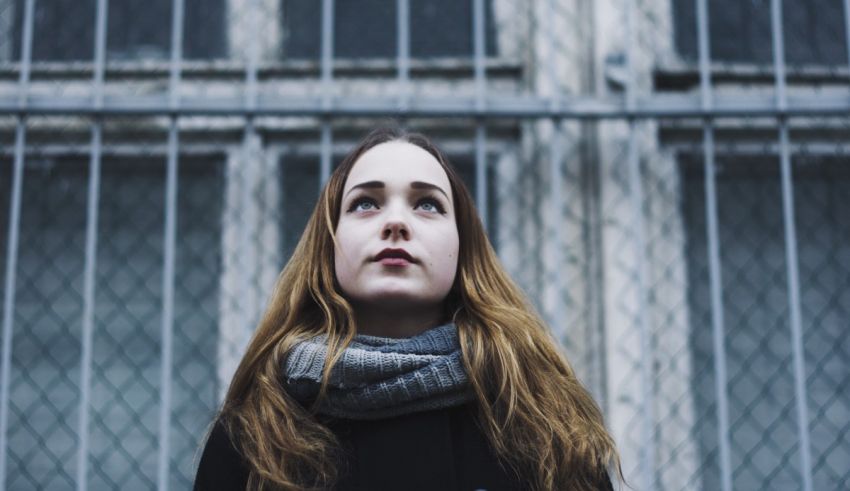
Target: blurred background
x=668, y=180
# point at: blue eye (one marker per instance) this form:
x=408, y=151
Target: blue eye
x=431, y=205
x=363, y=204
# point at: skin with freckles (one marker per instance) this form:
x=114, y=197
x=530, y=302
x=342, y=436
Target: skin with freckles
x=397, y=196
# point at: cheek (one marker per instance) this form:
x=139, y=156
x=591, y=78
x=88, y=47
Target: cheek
x=344, y=252
x=341, y=268
x=446, y=269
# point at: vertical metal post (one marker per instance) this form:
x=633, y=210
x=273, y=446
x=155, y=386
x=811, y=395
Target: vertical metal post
x=637, y=202
x=778, y=54
x=478, y=44
x=244, y=172
x=93, y=201
x=551, y=64
x=403, y=31
x=326, y=153
x=480, y=101
x=26, y=52
x=717, y=317
x=169, y=246
x=556, y=180
x=177, y=54
x=630, y=40
x=715, y=279
x=481, y=171
x=794, y=303
x=327, y=83
x=251, y=65
x=636, y=195
x=798, y=354
x=91, y=246
x=556, y=154
x=847, y=29
x=9, y=293
x=12, y=245
x=251, y=68
x=168, y=306
x=327, y=48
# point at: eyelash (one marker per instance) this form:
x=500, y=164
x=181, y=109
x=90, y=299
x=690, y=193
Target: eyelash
x=427, y=199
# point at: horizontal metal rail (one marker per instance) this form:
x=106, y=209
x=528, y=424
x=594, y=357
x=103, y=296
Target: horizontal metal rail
x=523, y=107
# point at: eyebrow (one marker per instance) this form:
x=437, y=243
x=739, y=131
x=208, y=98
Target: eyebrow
x=381, y=185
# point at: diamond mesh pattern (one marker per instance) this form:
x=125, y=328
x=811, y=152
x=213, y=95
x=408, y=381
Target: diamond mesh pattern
x=248, y=183
x=762, y=411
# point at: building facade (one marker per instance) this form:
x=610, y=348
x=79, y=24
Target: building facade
x=666, y=179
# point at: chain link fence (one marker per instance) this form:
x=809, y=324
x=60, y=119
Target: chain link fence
x=630, y=176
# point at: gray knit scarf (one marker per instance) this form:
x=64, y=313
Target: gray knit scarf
x=379, y=377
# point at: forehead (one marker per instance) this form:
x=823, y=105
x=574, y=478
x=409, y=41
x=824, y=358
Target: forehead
x=397, y=163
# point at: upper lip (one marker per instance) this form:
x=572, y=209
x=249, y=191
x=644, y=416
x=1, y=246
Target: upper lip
x=399, y=253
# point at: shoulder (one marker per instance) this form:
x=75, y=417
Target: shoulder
x=221, y=465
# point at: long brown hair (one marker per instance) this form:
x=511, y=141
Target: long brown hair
x=537, y=416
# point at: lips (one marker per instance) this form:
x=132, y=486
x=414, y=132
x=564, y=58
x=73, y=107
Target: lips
x=394, y=254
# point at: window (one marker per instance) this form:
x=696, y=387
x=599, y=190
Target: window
x=741, y=32
x=760, y=386
x=64, y=30
x=125, y=388
x=367, y=28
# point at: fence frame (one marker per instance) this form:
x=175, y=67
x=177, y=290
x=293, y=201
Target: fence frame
x=484, y=106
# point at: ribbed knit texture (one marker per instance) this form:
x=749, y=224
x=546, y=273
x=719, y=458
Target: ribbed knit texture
x=380, y=377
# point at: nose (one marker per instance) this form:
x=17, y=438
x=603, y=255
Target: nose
x=395, y=228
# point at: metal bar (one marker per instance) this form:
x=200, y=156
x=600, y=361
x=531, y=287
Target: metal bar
x=9, y=293
x=551, y=65
x=507, y=106
x=177, y=53
x=327, y=52
x=717, y=318
x=91, y=247
x=26, y=52
x=481, y=171
x=715, y=279
x=555, y=183
x=326, y=154
x=647, y=416
x=168, y=305
x=703, y=34
x=327, y=82
x=253, y=58
x=778, y=54
x=479, y=53
x=88, y=303
x=631, y=39
x=12, y=245
x=100, y=52
x=847, y=28
x=403, y=31
x=167, y=346
x=798, y=353
x=791, y=248
x=313, y=149
x=636, y=193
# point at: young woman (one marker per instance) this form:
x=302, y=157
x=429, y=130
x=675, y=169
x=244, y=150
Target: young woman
x=396, y=354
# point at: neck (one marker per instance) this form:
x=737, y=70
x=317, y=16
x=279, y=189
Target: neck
x=396, y=323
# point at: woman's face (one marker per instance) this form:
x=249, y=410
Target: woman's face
x=397, y=240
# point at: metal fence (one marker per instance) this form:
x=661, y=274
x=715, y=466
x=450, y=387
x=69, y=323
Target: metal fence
x=667, y=180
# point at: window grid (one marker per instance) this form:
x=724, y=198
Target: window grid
x=485, y=107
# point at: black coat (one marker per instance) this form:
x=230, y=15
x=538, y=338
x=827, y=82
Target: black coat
x=432, y=450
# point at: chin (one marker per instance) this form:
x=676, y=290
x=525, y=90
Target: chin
x=399, y=297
